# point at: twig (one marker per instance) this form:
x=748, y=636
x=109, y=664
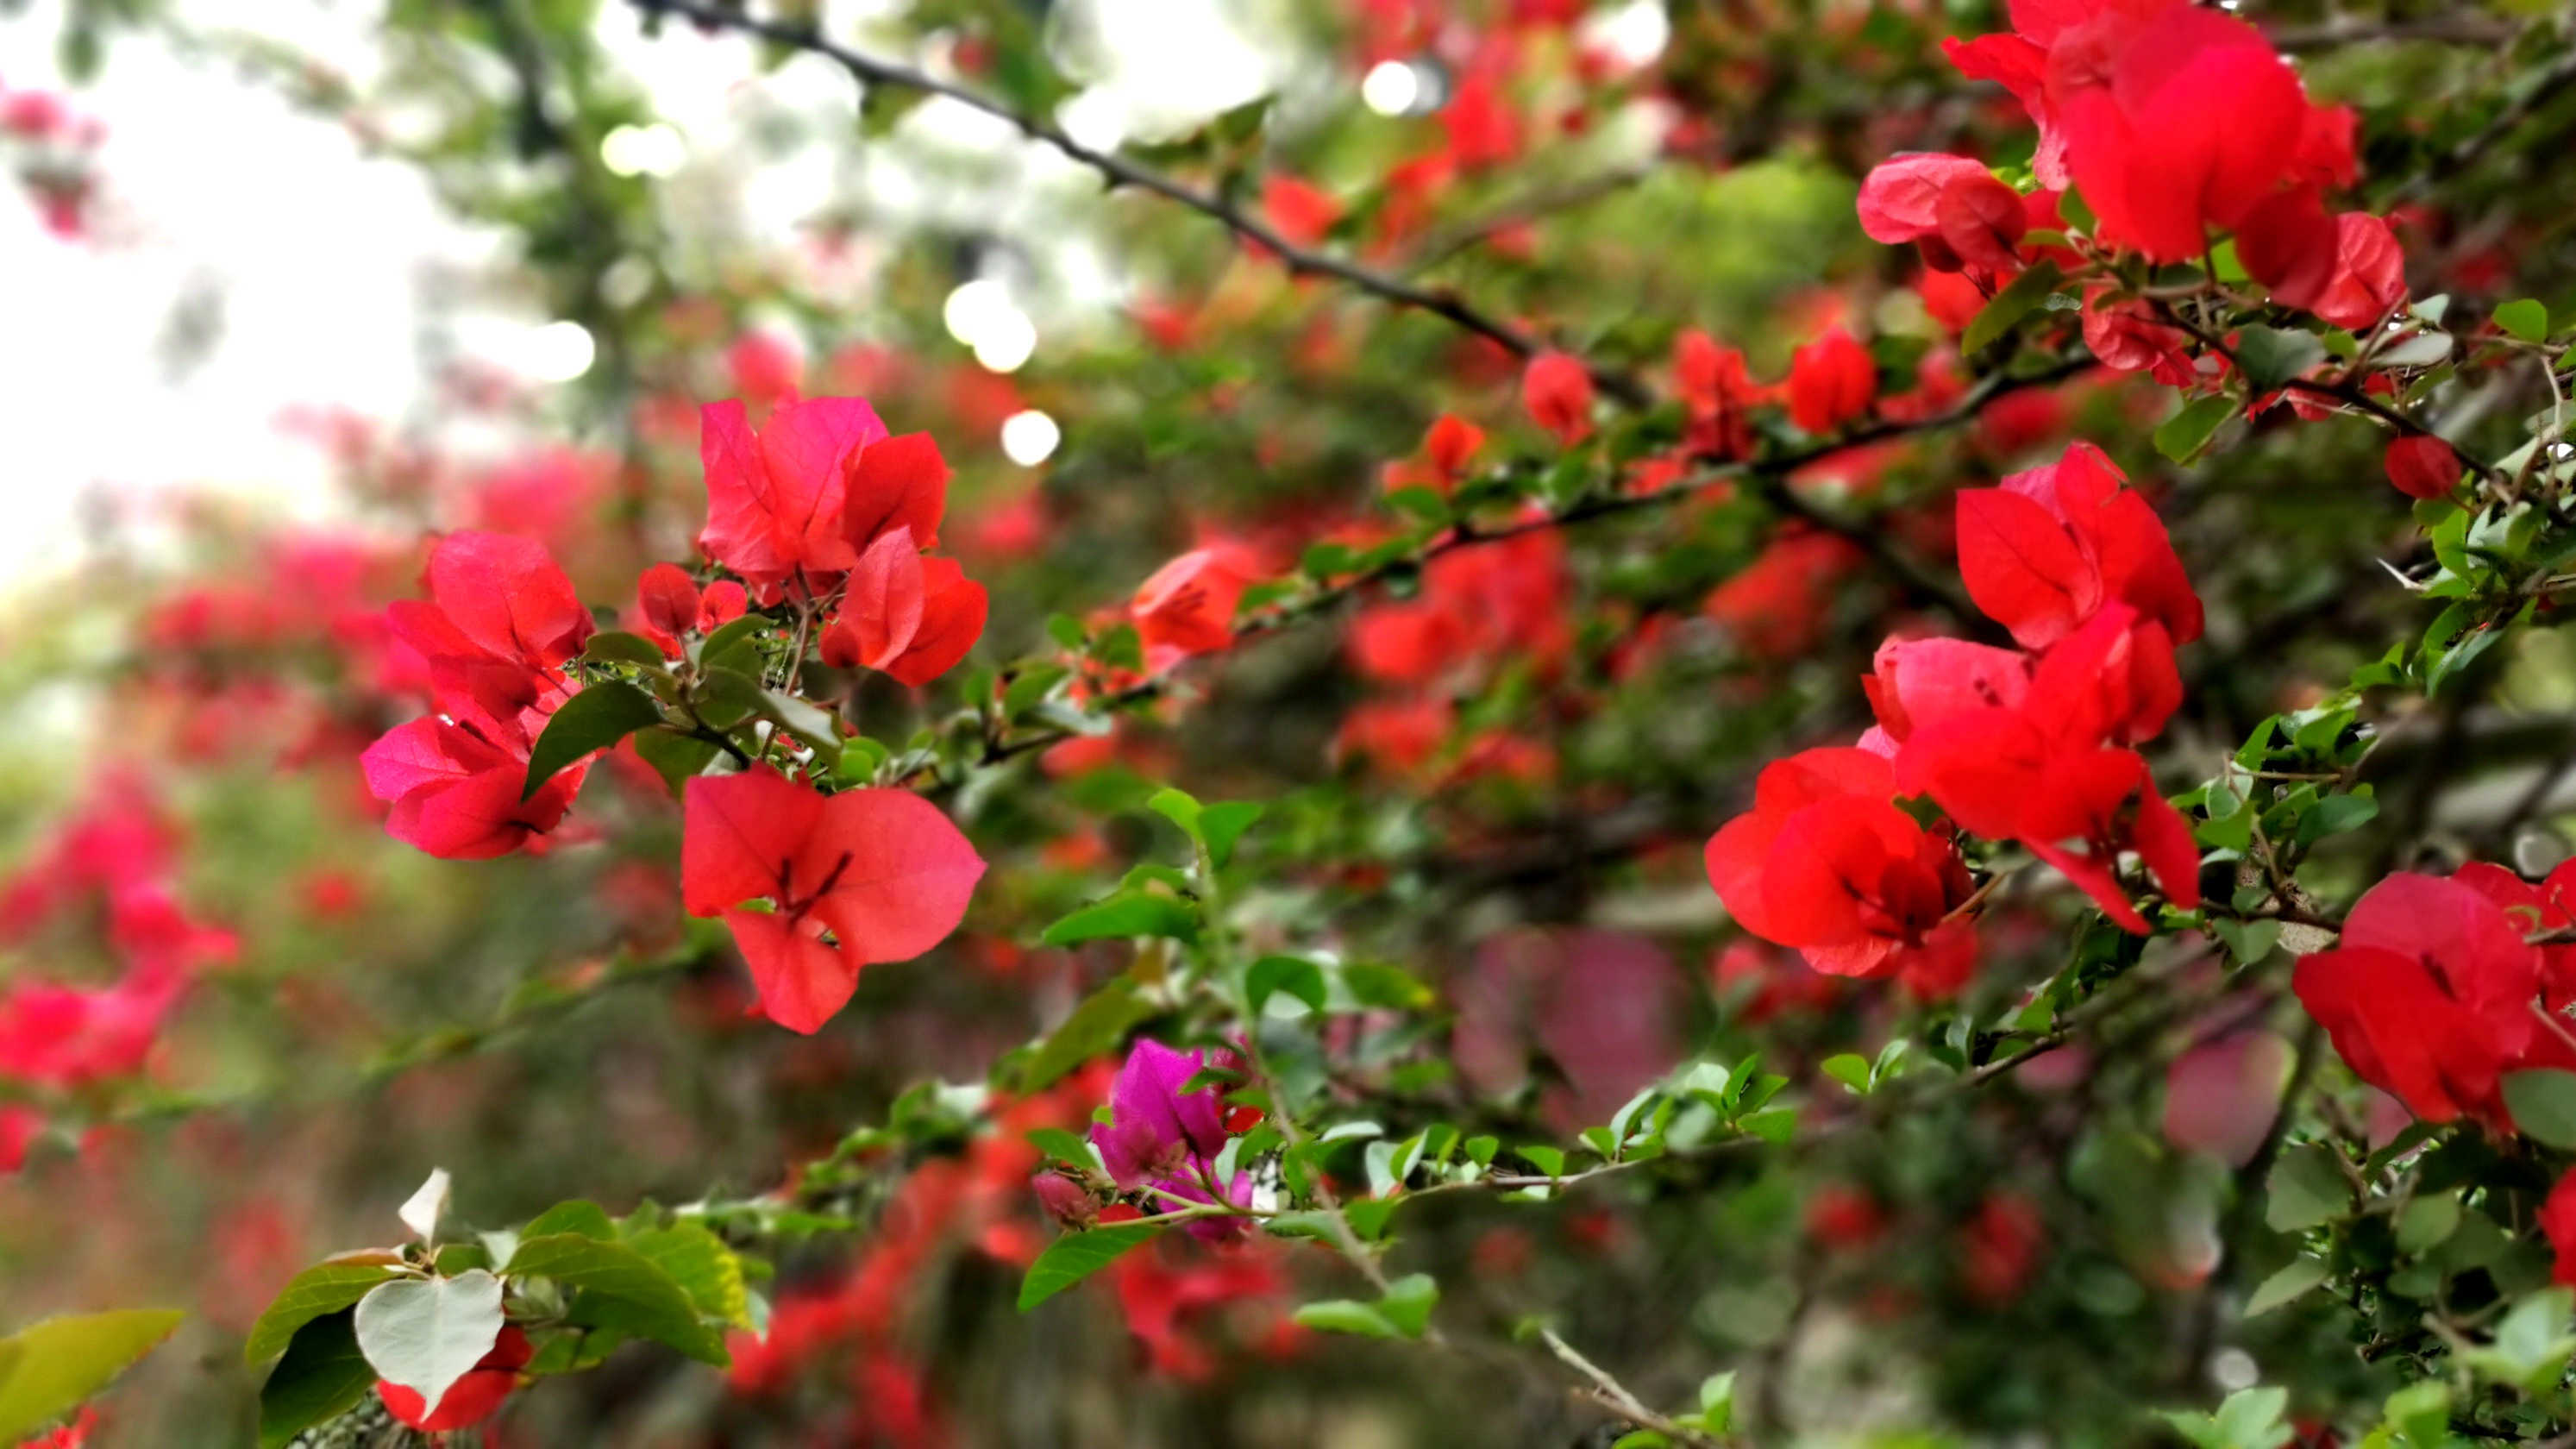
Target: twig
x=871, y=70
x=1610, y=1394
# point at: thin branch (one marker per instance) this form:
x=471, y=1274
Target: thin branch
x=1119, y=171
x=1610, y=1394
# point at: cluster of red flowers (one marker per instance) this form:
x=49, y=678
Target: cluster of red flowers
x=116, y=862
x=2029, y=745
x=819, y=511
x=2177, y=123
x=2434, y=994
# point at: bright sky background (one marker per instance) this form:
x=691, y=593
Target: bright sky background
x=321, y=256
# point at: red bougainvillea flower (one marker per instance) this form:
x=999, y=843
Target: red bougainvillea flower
x=1300, y=211
x=2433, y=996
x=471, y=1399
x=2370, y=273
x=1825, y=864
x=455, y=793
x=903, y=614
x=2288, y=242
x=1187, y=606
x=2548, y=906
x=1932, y=680
x=1558, y=393
x=1831, y=382
x=1777, y=606
x=1719, y=392
x=2558, y=1224
x=2044, y=552
x=1844, y=1217
x=2171, y=119
x=882, y=870
x=2125, y=337
x=2000, y=1248
x=2423, y=467
x=500, y=623
x=666, y=606
x=775, y=499
x=1447, y=448
x=1478, y=605
x=897, y=483
x=2089, y=808
x=1962, y=214
x=506, y=597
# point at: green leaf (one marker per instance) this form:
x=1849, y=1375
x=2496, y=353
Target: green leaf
x=1408, y=1301
x=2272, y=356
x=594, y=719
x=574, y=1215
x=675, y=756
x=1061, y=1145
x=2182, y=436
x=1775, y=1125
x=1128, y=913
x=2247, y=941
x=1300, y=978
x=1224, y=824
x=736, y=645
x=1178, y=807
x=1547, y=1160
x=611, y=646
x=48, y=1369
x=1717, y=1402
x=1076, y=1256
x=703, y=1266
x=811, y=724
x=2525, y=319
x=2532, y=1344
x=2427, y=1222
x=1848, y=1068
x=2301, y=1275
x=2010, y=305
x=1343, y=1315
x=2543, y=1104
x=326, y=1287
x=322, y=1376
x=1031, y=685
x=426, y=1333
x=2251, y=1418
x=1094, y=1028
x=619, y=1288
x=2307, y=1188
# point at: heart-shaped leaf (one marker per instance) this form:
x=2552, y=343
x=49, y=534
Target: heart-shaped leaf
x=426, y=1333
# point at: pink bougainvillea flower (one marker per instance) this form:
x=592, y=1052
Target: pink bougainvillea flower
x=776, y=498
